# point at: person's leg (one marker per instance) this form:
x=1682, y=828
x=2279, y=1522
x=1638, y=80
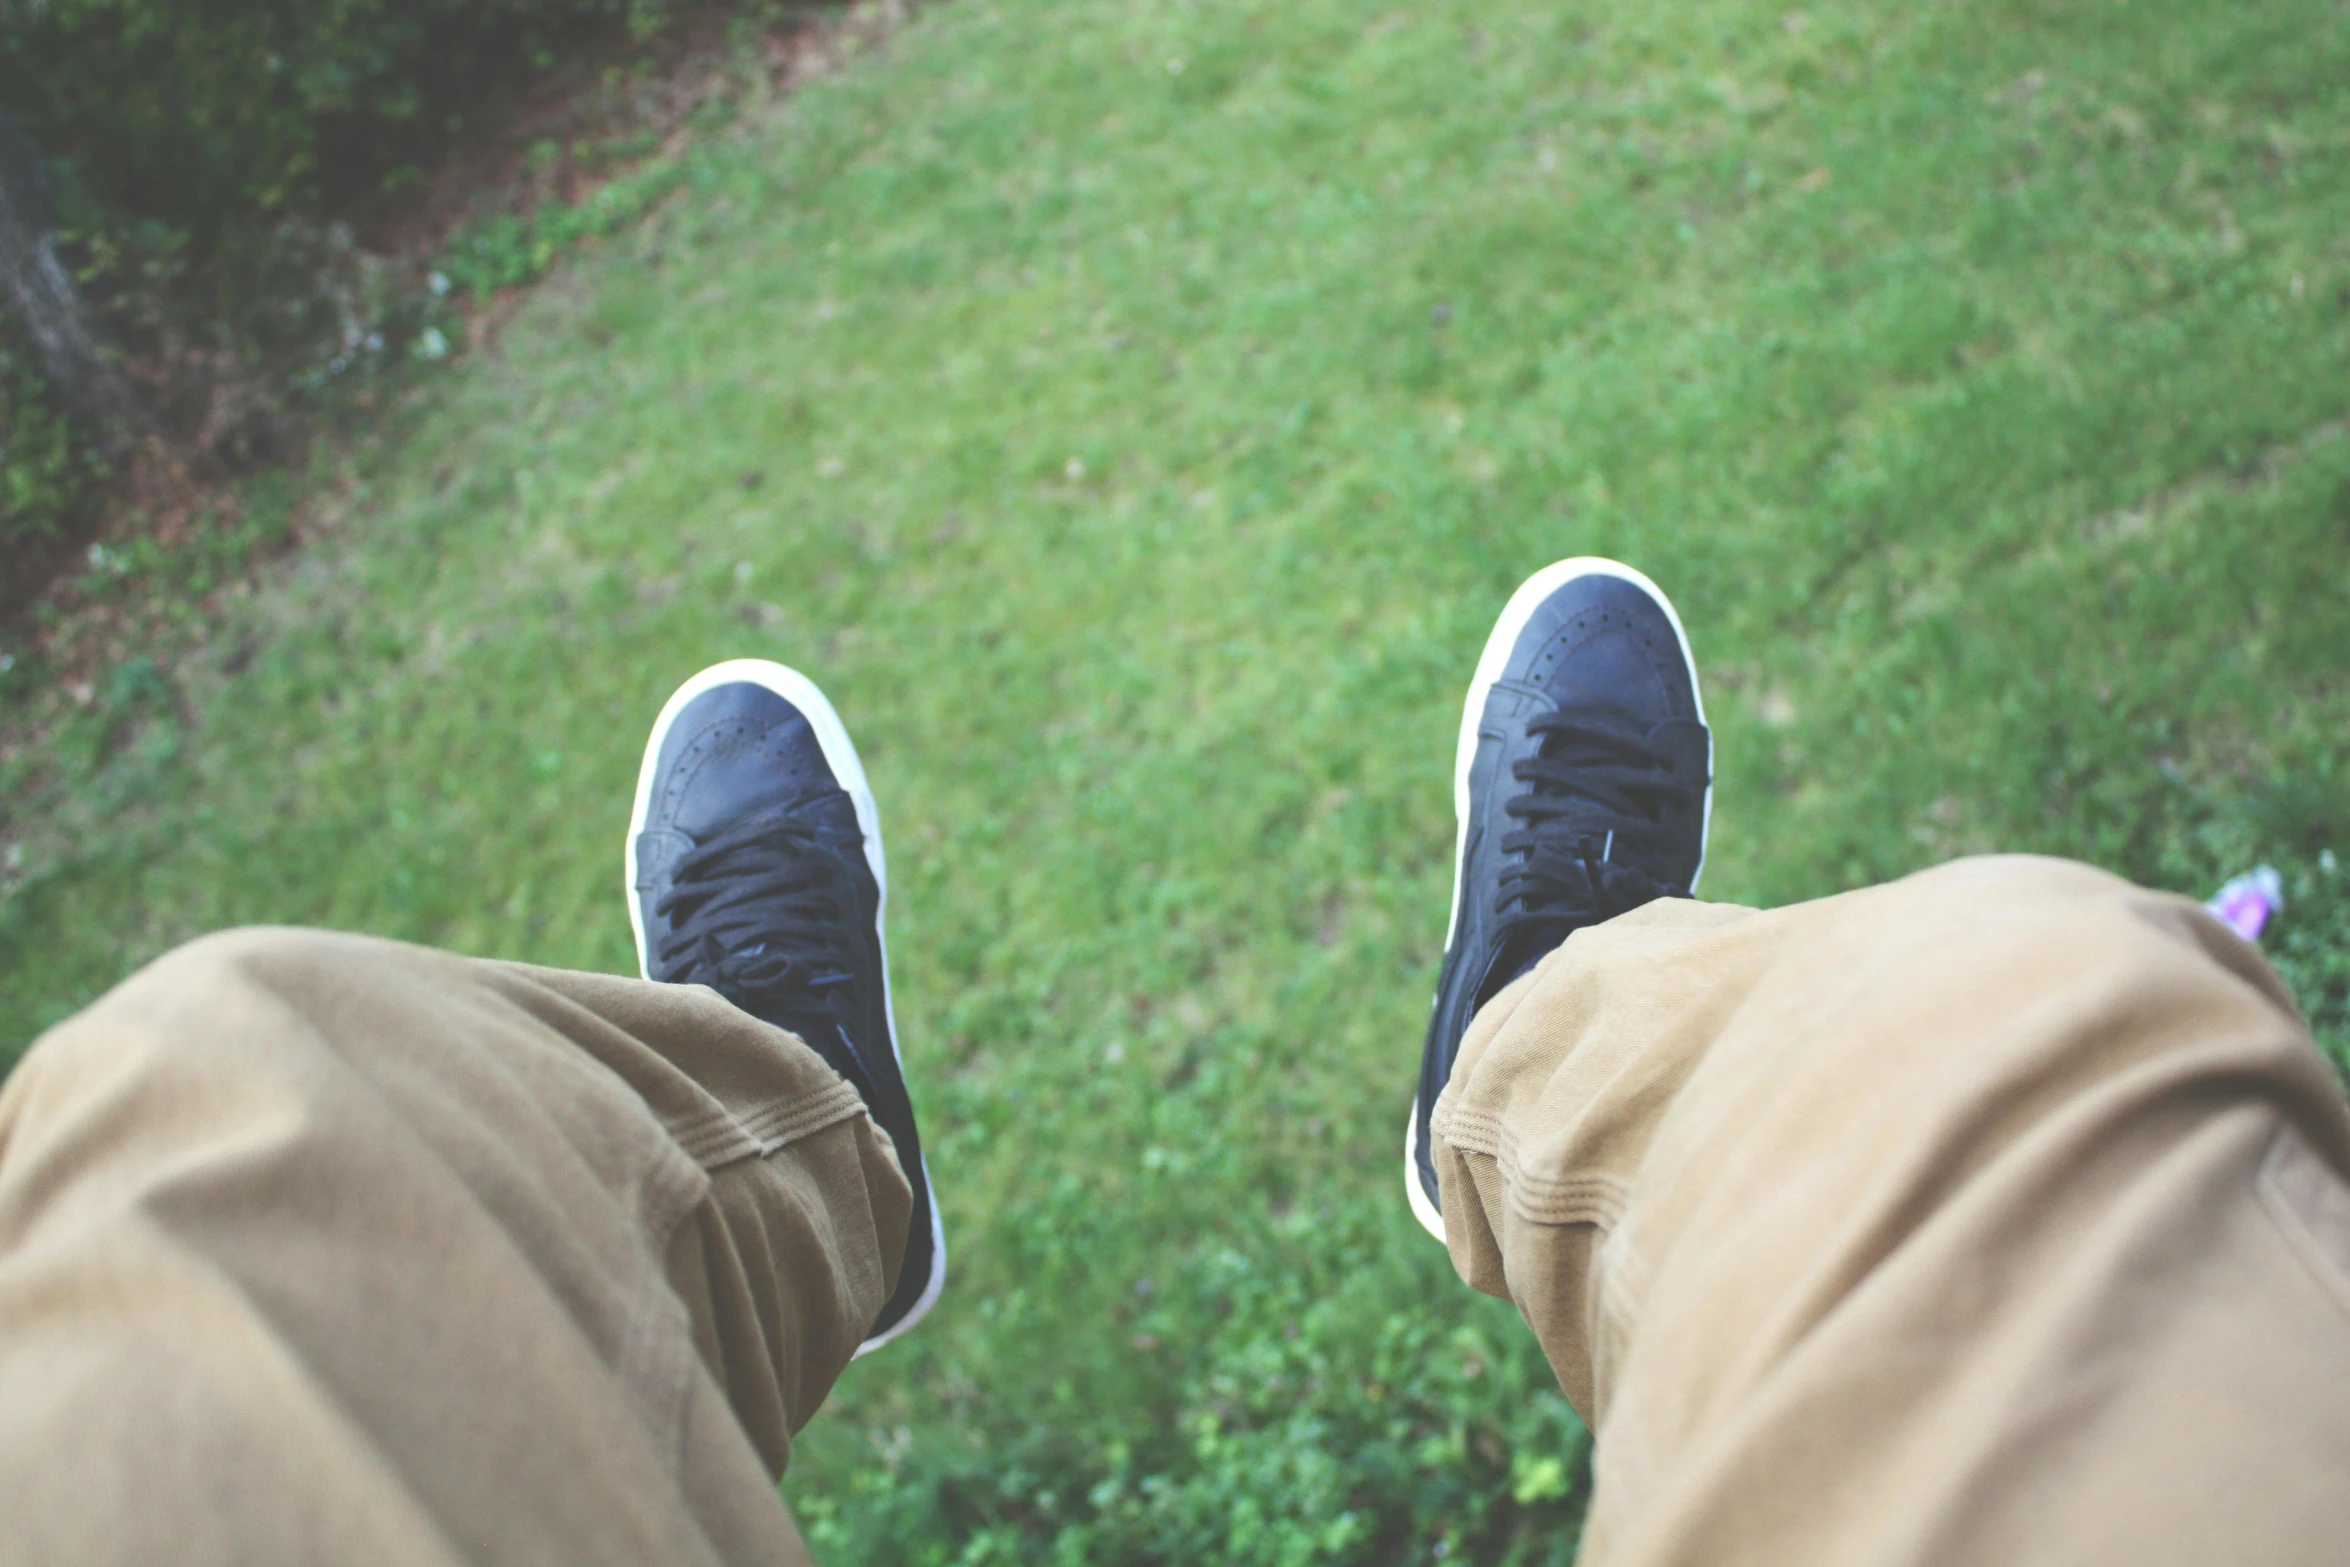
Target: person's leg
x=317, y=1247
x=320, y=1248
x=1993, y=1215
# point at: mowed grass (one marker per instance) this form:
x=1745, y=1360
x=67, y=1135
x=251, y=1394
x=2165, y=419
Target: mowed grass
x=1134, y=414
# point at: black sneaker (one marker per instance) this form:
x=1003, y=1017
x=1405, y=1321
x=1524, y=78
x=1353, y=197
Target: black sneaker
x=754, y=867
x=1582, y=785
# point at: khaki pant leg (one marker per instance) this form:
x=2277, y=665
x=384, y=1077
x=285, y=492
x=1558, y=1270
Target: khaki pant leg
x=316, y=1248
x=1997, y=1215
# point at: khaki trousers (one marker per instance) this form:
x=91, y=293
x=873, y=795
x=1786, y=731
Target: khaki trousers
x=1996, y=1215
x=320, y=1249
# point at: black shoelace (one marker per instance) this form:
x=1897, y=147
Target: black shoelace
x=763, y=913
x=1596, y=790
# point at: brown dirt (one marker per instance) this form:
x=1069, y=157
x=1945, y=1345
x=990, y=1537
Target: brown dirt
x=174, y=480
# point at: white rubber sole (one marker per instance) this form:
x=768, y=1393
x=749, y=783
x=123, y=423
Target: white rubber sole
x=1430, y=1216
x=832, y=737
x=1506, y=630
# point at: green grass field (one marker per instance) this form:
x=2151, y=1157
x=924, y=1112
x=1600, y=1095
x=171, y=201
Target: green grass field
x=1134, y=415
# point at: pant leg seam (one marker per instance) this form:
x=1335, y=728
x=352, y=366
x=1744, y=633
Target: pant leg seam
x=721, y=1136
x=787, y=1121
x=1538, y=1198
x=1585, y=1200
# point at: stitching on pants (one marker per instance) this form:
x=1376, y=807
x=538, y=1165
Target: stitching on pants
x=721, y=1136
x=1595, y=1199
x=788, y=1120
x=714, y=1137
x=1540, y=1199
x=1464, y=1128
